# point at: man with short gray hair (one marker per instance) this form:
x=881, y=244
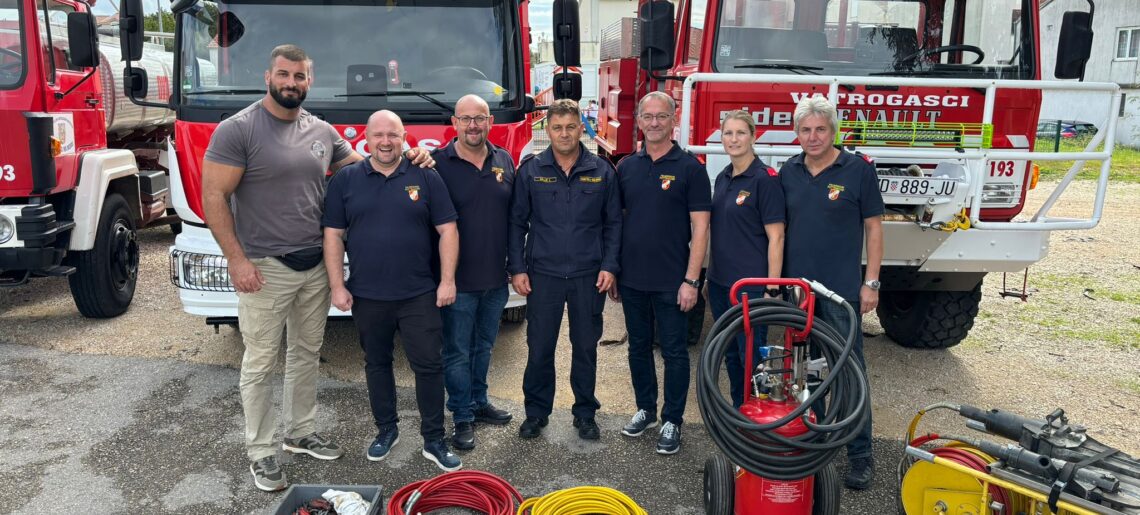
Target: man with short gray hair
x=833, y=202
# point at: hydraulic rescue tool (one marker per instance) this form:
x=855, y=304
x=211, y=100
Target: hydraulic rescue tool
x=797, y=412
x=1054, y=468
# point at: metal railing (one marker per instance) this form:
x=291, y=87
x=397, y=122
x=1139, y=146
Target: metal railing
x=975, y=159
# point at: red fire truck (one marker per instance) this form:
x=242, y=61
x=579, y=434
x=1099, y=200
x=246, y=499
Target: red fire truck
x=414, y=58
x=944, y=94
x=80, y=165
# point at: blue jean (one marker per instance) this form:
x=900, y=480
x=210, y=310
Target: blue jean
x=836, y=316
x=642, y=309
x=734, y=361
x=469, y=329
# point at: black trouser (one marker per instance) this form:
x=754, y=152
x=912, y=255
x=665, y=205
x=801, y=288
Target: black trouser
x=544, y=307
x=418, y=321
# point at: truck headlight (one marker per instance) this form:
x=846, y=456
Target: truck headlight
x=206, y=272
x=7, y=229
x=1002, y=193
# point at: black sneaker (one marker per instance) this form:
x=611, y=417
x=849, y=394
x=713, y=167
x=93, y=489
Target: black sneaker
x=489, y=414
x=383, y=444
x=670, y=440
x=641, y=421
x=587, y=428
x=267, y=474
x=437, y=452
x=463, y=439
x=861, y=473
x=314, y=445
x=532, y=427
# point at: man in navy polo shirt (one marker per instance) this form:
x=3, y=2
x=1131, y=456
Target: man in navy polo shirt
x=567, y=212
x=381, y=204
x=833, y=203
x=479, y=177
x=666, y=196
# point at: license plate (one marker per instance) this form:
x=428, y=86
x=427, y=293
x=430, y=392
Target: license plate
x=917, y=186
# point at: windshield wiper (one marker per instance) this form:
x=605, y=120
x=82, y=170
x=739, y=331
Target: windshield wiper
x=426, y=95
x=224, y=92
x=783, y=66
x=909, y=73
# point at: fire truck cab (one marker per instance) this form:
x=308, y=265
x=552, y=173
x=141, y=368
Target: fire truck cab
x=79, y=170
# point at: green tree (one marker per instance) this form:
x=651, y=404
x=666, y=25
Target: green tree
x=150, y=24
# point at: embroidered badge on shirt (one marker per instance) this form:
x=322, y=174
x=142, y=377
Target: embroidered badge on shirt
x=833, y=191
x=546, y=179
x=667, y=181
x=498, y=173
x=317, y=149
x=586, y=178
x=741, y=196
x=413, y=192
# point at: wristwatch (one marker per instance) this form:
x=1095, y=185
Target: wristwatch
x=873, y=284
x=695, y=283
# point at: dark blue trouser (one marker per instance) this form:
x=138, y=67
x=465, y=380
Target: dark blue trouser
x=470, y=326
x=642, y=309
x=548, y=297
x=836, y=316
x=417, y=321
x=734, y=361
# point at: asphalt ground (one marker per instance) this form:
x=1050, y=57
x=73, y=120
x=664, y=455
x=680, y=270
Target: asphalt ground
x=106, y=434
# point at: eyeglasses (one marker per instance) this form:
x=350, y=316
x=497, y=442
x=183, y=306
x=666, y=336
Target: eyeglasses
x=466, y=120
x=661, y=117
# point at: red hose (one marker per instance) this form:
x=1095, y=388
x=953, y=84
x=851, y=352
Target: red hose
x=969, y=459
x=473, y=489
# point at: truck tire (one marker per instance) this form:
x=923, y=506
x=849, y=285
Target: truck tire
x=928, y=319
x=104, y=280
x=514, y=315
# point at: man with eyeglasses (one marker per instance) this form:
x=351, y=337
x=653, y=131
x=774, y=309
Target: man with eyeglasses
x=665, y=193
x=479, y=178
x=563, y=245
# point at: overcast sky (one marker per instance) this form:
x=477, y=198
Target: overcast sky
x=541, y=16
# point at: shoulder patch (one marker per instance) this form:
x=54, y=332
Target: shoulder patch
x=772, y=172
x=865, y=157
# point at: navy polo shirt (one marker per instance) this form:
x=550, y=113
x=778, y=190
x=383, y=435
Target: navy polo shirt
x=824, y=238
x=565, y=226
x=657, y=197
x=483, y=200
x=742, y=206
x=389, y=222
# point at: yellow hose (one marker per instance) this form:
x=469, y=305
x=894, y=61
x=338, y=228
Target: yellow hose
x=582, y=500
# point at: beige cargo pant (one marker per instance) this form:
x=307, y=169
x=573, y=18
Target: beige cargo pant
x=297, y=302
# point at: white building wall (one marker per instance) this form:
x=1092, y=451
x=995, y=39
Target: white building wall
x=1102, y=67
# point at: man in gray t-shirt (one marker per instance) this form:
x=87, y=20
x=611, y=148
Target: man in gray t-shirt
x=263, y=187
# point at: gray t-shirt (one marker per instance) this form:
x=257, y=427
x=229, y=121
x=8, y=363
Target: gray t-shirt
x=277, y=206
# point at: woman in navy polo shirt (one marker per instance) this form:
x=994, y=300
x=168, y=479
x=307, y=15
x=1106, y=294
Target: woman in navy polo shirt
x=747, y=231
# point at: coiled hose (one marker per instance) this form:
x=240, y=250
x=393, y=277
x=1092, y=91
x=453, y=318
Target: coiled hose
x=582, y=500
x=759, y=448
x=473, y=489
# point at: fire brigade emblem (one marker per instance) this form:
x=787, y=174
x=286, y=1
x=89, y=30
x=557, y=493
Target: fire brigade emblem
x=667, y=181
x=741, y=196
x=318, y=150
x=413, y=192
x=498, y=173
x=833, y=191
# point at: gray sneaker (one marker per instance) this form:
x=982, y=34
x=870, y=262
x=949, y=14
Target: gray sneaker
x=314, y=445
x=267, y=474
x=641, y=421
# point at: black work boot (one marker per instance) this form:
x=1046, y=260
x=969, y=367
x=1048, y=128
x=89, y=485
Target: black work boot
x=861, y=473
x=463, y=438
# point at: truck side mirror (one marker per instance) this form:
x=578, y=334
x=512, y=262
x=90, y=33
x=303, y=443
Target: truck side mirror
x=131, y=29
x=82, y=41
x=656, y=18
x=567, y=44
x=1074, y=45
x=568, y=85
x=135, y=82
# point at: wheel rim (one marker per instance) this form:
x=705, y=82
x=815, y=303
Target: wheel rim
x=124, y=255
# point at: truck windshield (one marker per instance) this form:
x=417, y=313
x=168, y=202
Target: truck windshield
x=367, y=54
x=936, y=38
x=12, y=62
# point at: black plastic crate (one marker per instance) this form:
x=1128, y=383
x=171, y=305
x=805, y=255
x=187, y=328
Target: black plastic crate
x=297, y=495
